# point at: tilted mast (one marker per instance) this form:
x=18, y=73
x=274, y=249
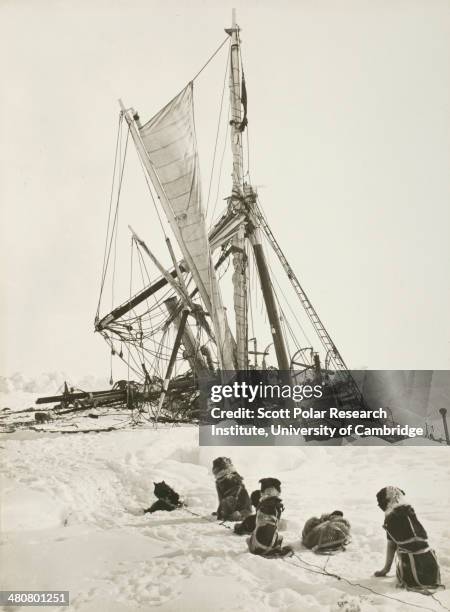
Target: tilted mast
x=269, y=298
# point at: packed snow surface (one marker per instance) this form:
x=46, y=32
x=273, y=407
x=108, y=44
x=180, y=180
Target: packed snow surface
x=72, y=520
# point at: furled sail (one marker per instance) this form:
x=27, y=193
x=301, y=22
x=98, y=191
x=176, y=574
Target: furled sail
x=240, y=297
x=170, y=142
x=236, y=202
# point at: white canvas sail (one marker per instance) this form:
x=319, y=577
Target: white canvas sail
x=170, y=143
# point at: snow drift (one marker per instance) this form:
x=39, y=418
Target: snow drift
x=72, y=519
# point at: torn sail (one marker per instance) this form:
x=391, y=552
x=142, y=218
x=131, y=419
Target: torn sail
x=170, y=142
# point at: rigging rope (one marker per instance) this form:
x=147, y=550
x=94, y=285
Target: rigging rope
x=217, y=134
x=210, y=59
x=220, y=169
x=114, y=227
x=149, y=185
x=141, y=265
x=131, y=290
x=288, y=304
x=102, y=282
x=247, y=173
x=320, y=330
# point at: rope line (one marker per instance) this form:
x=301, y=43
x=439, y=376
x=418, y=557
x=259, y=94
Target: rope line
x=325, y=572
x=150, y=190
x=210, y=59
x=288, y=304
x=220, y=170
x=217, y=135
x=114, y=226
x=433, y=597
x=113, y=180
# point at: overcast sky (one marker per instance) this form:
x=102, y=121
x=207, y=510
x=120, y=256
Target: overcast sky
x=349, y=131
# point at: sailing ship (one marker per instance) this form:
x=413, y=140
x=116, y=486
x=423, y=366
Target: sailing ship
x=187, y=297
x=194, y=318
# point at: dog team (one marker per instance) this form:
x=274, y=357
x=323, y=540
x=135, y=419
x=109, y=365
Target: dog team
x=417, y=565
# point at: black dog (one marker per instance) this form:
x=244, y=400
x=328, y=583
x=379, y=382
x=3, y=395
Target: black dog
x=42, y=417
x=168, y=499
x=234, y=500
x=248, y=525
x=417, y=565
x=265, y=539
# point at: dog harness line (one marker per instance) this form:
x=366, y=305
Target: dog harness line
x=415, y=538
x=263, y=520
x=411, y=554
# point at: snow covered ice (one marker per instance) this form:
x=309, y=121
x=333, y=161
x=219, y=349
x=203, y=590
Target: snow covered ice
x=72, y=519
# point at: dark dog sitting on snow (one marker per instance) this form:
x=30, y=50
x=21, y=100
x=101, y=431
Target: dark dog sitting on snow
x=248, y=525
x=265, y=539
x=168, y=499
x=234, y=501
x=417, y=565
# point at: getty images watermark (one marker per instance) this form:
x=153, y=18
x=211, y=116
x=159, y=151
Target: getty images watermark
x=270, y=407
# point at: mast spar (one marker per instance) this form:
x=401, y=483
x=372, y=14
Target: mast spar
x=236, y=202
x=243, y=199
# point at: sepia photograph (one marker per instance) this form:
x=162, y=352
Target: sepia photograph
x=225, y=297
